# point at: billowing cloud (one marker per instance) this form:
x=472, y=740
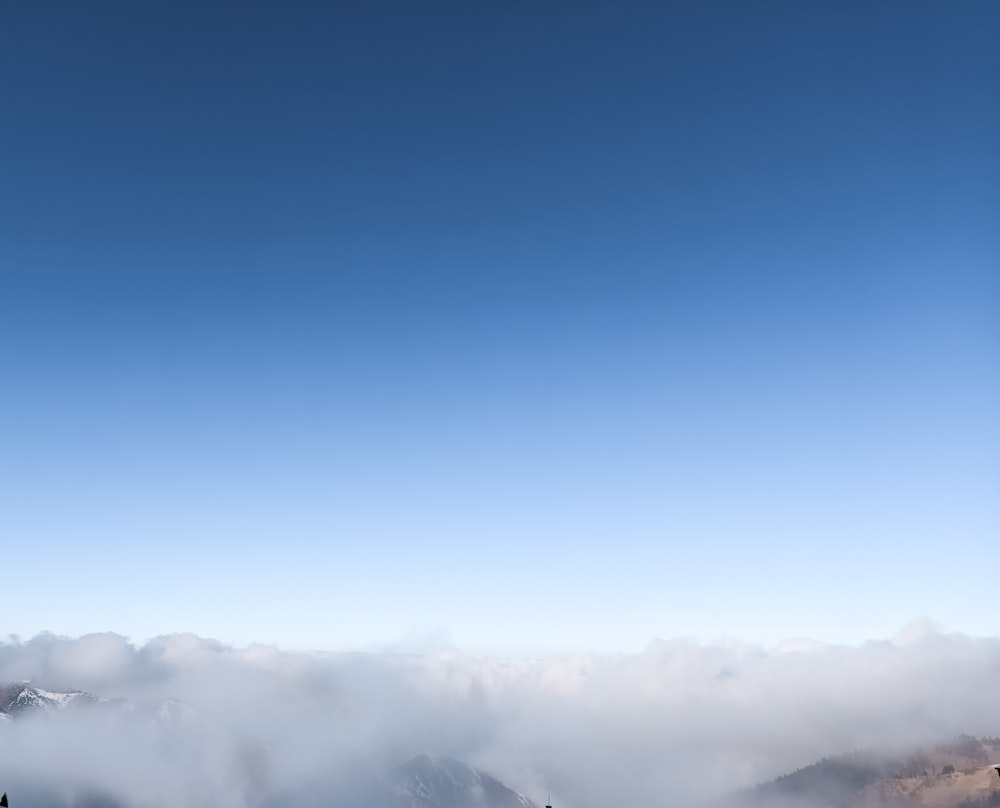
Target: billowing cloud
x=679, y=723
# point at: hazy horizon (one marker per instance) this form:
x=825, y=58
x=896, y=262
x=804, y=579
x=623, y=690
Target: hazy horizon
x=431, y=643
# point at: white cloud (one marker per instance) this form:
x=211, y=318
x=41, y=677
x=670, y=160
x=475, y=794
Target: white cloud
x=682, y=720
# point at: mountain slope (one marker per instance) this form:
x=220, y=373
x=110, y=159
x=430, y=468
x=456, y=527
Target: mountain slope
x=979, y=786
x=21, y=699
x=946, y=776
x=427, y=782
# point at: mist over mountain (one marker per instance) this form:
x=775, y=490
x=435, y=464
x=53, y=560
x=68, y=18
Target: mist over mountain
x=423, y=782
x=199, y=723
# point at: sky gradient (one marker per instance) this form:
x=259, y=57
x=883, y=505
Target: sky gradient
x=523, y=327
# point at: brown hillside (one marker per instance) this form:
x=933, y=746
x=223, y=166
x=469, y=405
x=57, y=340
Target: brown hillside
x=955, y=774
x=933, y=791
x=959, y=774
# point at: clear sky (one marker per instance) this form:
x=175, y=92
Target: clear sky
x=535, y=326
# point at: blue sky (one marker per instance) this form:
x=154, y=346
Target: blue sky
x=531, y=328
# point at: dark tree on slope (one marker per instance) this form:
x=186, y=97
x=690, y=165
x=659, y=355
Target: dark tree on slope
x=3, y=801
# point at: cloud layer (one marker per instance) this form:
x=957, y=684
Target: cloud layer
x=679, y=723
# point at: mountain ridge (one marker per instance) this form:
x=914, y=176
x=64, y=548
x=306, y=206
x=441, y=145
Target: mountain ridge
x=23, y=699
x=442, y=782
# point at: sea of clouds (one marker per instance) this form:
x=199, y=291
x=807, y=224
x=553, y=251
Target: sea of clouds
x=679, y=724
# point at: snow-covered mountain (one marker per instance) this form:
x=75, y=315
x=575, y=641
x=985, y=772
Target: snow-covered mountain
x=23, y=699
x=429, y=782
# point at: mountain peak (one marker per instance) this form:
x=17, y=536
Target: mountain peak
x=22, y=697
x=442, y=782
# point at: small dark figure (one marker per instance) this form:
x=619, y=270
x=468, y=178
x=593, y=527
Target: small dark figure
x=3, y=801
